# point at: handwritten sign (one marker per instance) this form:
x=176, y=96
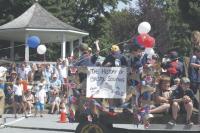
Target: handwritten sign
x=106, y=82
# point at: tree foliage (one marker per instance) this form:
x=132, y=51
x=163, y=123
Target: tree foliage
x=171, y=20
x=190, y=12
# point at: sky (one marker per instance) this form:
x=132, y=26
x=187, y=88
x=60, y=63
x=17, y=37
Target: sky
x=122, y=5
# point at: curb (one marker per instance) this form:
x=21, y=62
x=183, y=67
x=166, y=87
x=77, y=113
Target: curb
x=40, y=128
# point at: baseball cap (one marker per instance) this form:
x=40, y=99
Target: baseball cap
x=185, y=80
x=115, y=48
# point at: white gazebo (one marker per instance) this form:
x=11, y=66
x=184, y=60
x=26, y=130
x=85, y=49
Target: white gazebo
x=37, y=21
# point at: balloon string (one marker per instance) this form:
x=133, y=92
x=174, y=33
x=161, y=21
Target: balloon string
x=77, y=60
x=11, y=47
x=73, y=49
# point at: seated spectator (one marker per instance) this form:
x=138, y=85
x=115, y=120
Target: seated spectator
x=176, y=83
x=55, y=83
x=63, y=106
x=182, y=100
x=29, y=100
x=54, y=101
x=162, y=96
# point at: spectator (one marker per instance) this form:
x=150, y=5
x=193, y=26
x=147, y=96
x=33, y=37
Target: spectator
x=22, y=73
x=176, y=83
x=195, y=38
x=182, y=100
x=194, y=70
x=63, y=72
x=9, y=89
x=29, y=100
x=54, y=100
x=13, y=77
x=12, y=67
x=38, y=73
x=47, y=76
x=174, y=67
x=31, y=73
x=162, y=96
x=18, y=97
x=55, y=83
x=40, y=98
x=2, y=99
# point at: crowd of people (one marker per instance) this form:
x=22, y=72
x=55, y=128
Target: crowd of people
x=29, y=86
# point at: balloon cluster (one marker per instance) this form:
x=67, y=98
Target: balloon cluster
x=144, y=39
x=33, y=42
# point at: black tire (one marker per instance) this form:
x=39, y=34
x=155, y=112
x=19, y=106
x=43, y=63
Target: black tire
x=91, y=127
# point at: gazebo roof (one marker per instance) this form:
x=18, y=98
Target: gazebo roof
x=37, y=21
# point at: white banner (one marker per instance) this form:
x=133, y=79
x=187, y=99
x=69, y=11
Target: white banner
x=106, y=82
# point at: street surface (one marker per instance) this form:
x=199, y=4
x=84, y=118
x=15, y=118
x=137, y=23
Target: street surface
x=50, y=124
x=19, y=130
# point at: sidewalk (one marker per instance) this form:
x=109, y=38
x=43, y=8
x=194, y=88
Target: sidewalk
x=47, y=122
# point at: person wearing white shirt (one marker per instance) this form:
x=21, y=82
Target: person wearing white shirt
x=40, y=97
x=18, y=97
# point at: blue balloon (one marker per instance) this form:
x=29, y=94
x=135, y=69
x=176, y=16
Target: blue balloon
x=33, y=41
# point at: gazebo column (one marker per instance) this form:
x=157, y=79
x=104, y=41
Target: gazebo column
x=26, y=49
x=71, y=48
x=80, y=42
x=12, y=50
x=63, y=47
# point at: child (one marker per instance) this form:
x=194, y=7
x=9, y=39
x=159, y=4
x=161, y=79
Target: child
x=40, y=97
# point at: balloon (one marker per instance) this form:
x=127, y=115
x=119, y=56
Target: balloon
x=41, y=49
x=33, y=41
x=149, y=42
x=144, y=27
x=142, y=38
x=145, y=40
x=149, y=52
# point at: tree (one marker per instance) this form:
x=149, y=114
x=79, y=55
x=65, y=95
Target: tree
x=84, y=14
x=168, y=27
x=190, y=12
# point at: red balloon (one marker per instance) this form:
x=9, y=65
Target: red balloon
x=146, y=40
x=149, y=43
x=142, y=38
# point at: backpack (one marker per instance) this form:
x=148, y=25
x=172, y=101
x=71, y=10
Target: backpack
x=172, y=69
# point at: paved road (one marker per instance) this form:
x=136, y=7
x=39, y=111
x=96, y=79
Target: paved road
x=18, y=130
x=50, y=124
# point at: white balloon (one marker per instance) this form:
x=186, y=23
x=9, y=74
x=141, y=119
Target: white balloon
x=144, y=27
x=41, y=49
x=150, y=52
